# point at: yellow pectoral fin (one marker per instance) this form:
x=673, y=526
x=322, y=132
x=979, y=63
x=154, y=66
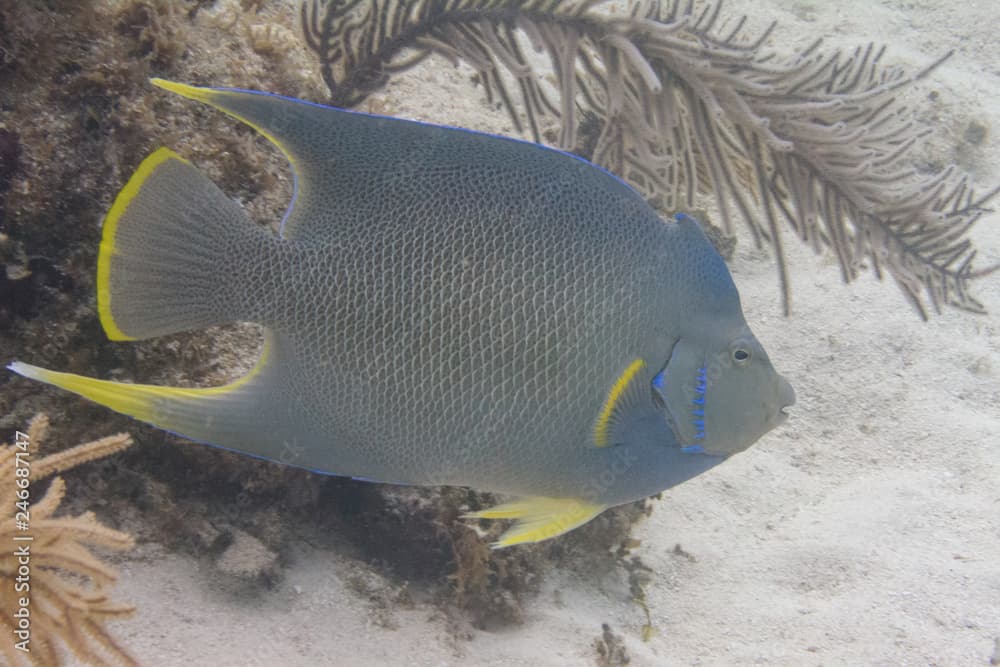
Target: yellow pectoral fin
x=539, y=518
x=618, y=399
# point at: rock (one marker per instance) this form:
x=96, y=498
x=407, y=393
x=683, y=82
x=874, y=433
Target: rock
x=247, y=558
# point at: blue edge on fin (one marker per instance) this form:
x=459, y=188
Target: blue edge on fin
x=316, y=471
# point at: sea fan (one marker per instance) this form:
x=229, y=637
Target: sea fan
x=686, y=106
x=66, y=591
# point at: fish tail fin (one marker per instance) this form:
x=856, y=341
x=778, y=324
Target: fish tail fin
x=539, y=518
x=167, y=245
x=242, y=415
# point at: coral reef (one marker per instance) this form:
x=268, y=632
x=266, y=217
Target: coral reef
x=25, y=289
x=51, y=585
x=10, y=155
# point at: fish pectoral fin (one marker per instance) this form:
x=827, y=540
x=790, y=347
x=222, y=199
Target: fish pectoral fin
x=539, y=518
x=626, y=393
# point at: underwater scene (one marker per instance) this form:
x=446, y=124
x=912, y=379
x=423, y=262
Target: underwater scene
x=531, y=332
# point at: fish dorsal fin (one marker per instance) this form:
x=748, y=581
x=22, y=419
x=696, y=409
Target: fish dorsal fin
x=623, y=396
x=714, y=283
x=539, y=518
x=354, y=170
x=361, y=178
x=301, y=131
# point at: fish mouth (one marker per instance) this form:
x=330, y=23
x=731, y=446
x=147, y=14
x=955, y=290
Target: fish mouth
x=786, y=396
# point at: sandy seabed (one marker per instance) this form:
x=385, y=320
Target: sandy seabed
x=866, y=530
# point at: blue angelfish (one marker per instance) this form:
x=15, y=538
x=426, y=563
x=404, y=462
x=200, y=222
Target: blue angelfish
x=440, y=307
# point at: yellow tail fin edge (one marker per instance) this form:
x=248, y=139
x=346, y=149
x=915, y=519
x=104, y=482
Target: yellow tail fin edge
x=109, y=231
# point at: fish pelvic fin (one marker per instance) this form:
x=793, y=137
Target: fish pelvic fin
x=172, y=248
x=539, y=518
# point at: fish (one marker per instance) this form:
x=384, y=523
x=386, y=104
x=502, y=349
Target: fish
x=440, y=307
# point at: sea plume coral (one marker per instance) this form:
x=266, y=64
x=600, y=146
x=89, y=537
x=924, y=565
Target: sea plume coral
x=687, y=105
x=68, y=600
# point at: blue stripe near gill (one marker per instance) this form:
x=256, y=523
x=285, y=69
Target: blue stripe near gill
x=660, y=381
x=698, y=411
x=700, y=387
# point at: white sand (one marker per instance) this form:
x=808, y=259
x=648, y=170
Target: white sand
x=864, y=531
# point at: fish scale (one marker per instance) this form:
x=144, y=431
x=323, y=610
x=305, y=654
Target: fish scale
x=441, y=307
x=447, y=370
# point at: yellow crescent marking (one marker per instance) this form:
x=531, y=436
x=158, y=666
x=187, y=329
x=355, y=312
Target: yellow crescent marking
x=603, y=420
x=109, y=229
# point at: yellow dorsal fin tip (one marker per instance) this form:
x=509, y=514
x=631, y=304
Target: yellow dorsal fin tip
x=183, y=89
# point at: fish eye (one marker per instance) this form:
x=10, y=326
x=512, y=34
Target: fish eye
x=741, y=356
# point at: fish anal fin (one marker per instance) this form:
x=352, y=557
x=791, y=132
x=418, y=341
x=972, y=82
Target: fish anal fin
x=241, y=415
x=539, y=518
